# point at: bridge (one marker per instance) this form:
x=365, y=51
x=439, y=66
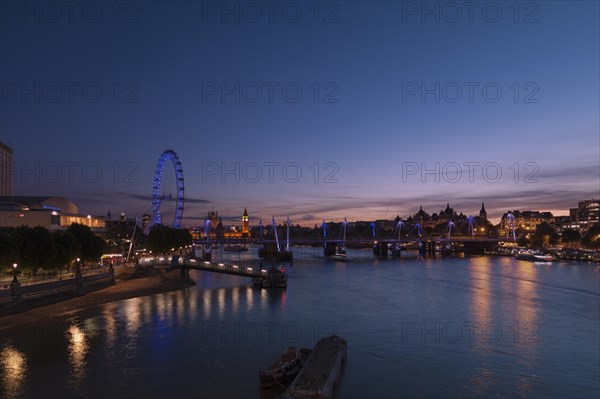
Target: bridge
x=314, y=241
x=217, y=267
x=271, y=249
x=272, y=277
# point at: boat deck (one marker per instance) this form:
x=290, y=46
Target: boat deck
x=321, y=370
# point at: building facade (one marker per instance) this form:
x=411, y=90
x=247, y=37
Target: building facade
x=527, y=220
x=218, y=229
x=6, y=170
x=53, y=213
x=586, y=215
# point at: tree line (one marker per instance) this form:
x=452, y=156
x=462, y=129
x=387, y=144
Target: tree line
x=161, y=239
x=545, y=235
x=32, y=248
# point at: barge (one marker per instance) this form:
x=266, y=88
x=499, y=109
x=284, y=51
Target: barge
x=284, y=369
x=318, y=377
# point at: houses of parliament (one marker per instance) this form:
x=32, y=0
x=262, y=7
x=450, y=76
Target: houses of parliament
x=218, y=230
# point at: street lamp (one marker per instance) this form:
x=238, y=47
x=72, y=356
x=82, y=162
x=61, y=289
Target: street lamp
x=15, y=275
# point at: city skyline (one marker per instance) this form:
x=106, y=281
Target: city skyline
x=388, y=95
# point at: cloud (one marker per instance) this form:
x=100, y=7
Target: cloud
x=569, y=172
x=187, y=200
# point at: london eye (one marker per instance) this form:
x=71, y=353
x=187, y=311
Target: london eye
x=157, y=197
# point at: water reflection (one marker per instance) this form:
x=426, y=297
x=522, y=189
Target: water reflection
x=263, y=297
x=110, y=325
x=152, y=346
x=480, y=382
x=206, y=304
x=133, y=320
x=250, y=298
x=221, y=301
x=526, y=326
x=526, y=311
x=78, y=348
x=481, y=304
x=235, y=299
x=14, y=370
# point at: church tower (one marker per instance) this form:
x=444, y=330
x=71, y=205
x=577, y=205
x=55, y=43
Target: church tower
x=482, y=213
x=245, y=224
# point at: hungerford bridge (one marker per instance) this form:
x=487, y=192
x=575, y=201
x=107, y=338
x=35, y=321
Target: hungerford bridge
x=332, y=247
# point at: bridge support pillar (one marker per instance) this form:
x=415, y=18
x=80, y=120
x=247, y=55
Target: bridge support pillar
x=376, y=249
x=384, y=248
x=431, y=247
x=269, y=251
x=446, y=248
x=329, y=249
x=422, y=248
x=380, y=249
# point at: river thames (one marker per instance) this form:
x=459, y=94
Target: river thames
x=489, y=327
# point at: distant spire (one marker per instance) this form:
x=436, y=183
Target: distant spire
x=482, y=212
x=245, y=212
x=108, y=215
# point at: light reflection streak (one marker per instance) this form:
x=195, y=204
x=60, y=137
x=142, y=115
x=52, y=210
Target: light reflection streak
x=221, y=301
x=263, y=297
x=78, y=348
x=481, y=305
x=481, y=294
x=133, y=320
x=110, y=325
x=181, y=304
x=526, y=323
x=162, y=310
x=193, y=300
x=14, y=370
x=206, y=304
x=235, y=299
x=250, y=297
x=527, y=293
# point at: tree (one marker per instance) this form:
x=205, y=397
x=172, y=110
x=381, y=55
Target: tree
x=159, y=240
x=35, y=247
x=571, y=237
x=523, y=241
x=544, y=235
x=91, y=246
x=118, y=236
x=162, y=238
x=591, y=239
x=8, y=251
x=67, y=249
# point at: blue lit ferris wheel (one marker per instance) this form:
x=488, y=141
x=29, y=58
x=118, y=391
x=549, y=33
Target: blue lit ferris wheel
x=157, y=198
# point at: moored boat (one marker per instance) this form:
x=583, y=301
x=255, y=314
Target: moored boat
x=535, y=257
x=318, y=377
x=276, y=278
x=284, y=369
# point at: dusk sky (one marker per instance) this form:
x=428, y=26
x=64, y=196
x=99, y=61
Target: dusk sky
x=367, y=92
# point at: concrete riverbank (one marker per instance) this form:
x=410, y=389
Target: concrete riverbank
x=129, y=284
